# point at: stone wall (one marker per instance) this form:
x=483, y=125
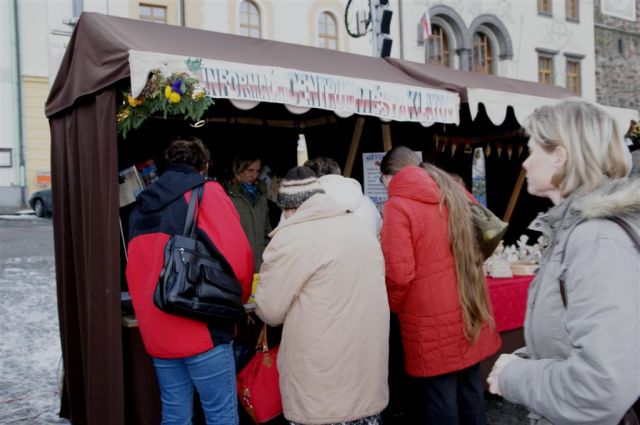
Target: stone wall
x=617, y=44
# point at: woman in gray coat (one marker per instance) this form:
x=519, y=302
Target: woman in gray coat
x=581, y=364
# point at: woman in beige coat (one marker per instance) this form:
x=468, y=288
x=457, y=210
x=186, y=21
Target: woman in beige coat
x=323, y=277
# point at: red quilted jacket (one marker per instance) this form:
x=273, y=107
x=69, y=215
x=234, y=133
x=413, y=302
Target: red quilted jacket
x=422, y=282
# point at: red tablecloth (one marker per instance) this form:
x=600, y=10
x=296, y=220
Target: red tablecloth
x=509, y=301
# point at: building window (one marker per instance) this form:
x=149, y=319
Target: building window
x=482, y=57
x=249, y=19
x=544, y=7
x=572, y=10
x=327, y=31
x=573, y=76
x=153, y=13
x=545, y=69
x=438, y=47
x=6, y=158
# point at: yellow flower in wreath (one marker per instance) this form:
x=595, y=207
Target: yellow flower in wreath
x=174, y=98
x=134, y=101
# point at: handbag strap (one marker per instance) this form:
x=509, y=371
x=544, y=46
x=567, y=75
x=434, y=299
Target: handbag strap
x=263, y=343
x=627, y=228
x=633, y=235
x=192, y=212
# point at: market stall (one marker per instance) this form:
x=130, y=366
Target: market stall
x=265, y=95
x=86, y=158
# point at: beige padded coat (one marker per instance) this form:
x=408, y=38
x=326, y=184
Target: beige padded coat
x=323, y=277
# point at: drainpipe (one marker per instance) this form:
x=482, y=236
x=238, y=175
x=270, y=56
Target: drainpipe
x=400, y=28
x=78, y=7
x=17, y=77
x=183, y=20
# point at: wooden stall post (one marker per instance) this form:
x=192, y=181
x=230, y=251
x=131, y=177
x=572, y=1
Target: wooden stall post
x=355, y=141
x=514, y=196
x=386, y=137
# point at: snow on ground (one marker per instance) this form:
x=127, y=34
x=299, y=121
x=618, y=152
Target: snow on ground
x=30, y=357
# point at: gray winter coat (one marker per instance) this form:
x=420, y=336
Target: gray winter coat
x=583, y=363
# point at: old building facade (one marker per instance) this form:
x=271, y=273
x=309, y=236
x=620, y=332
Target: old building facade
x=550, y=41
x=617, y=52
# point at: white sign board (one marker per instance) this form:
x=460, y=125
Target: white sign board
x=304, y=89
x=373, y=187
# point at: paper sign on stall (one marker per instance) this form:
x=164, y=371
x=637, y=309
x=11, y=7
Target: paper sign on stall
x=373, y=187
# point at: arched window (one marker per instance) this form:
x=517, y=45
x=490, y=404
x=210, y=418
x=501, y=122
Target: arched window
x=249, y=19
x=438, y=47
x=482, y=56
x=327, y=31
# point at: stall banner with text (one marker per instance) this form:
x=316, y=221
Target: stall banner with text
x=257, y=83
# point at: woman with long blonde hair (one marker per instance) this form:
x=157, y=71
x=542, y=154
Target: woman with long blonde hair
x=436, y=287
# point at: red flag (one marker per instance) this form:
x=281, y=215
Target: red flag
x=426, y=26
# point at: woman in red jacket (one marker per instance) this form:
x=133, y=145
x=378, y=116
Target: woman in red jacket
x=436, y=287
x=186, y=353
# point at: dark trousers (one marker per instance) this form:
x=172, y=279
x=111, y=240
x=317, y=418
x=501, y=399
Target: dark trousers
x=451, y=399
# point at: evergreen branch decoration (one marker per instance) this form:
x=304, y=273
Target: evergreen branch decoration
x=180, y=94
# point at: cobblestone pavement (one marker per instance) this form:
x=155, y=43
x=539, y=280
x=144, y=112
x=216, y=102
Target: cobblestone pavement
x=30, y=359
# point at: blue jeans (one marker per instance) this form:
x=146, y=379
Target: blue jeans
x=213, y=374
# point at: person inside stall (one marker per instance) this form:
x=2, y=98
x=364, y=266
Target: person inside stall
x=436, y=286
x=323, y=277
x=346, y=191
x=249, y=196
x=186, y=353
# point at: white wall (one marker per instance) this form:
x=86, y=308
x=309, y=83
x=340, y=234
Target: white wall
x=8, y=117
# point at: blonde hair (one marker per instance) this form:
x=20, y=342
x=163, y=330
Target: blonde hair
x=594, y=145
x=472, y=290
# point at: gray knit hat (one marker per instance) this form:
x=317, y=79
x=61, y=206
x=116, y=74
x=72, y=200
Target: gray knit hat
x=298, y=185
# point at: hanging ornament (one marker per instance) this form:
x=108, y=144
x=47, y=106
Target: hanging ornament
x=509, y=152
x=454, y=147
x=487, y=151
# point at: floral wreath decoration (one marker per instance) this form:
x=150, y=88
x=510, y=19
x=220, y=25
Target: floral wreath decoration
x=634, y=132
x=180, y=94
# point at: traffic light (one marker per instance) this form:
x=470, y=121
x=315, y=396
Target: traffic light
x=381, y=16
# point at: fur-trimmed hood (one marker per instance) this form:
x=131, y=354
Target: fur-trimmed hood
x=616, y=197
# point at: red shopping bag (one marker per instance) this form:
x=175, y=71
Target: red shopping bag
x=258, y=385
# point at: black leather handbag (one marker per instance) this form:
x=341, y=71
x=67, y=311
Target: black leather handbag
x=196, y=280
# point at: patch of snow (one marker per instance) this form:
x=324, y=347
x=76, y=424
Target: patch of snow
x=30, y=354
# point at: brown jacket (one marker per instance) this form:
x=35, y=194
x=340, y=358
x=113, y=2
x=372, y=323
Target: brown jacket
x=323, y=277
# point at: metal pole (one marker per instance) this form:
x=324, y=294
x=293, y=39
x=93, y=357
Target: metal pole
x=18, y=103
x=78, y=7
x=374, y=27
x=400, y=29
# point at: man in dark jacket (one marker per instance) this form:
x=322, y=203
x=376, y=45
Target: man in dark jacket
x=186, y=352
